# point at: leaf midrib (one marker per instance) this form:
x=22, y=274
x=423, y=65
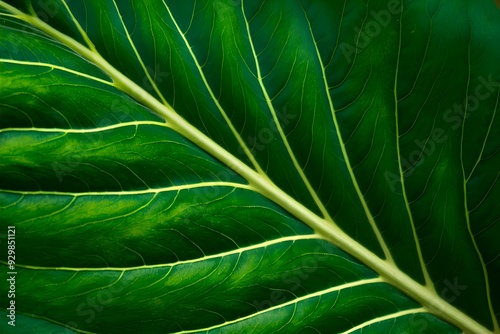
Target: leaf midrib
x=387, y=270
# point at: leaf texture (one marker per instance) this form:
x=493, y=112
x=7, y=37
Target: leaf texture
x=251, y=166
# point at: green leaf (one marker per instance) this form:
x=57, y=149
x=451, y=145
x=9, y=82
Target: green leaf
x=234, y=166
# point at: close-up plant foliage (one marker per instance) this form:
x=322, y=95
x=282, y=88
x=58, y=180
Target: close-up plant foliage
x=249, y=166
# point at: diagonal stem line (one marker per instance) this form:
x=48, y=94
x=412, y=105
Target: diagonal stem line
x=388, y=271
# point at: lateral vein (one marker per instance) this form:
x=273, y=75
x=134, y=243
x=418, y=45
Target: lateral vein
x=362, y=200
x=216, y=101
x=385, y=318
x=57, y=67
x=386, y=269
x=291, y=302
x=425, y=272
x=270, y=105
x=236, y=251
x=98, y=129
x=134, y=192
x=141, y=62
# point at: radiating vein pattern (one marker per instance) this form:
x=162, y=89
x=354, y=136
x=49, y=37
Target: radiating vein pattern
x=377, y=117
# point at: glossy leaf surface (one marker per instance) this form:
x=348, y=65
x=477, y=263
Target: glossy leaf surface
x=334, y=167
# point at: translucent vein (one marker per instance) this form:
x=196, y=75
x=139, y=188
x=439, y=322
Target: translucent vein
x=236, y=251
x=385, y=318
x=485, y=139
x=134, y=192
x=466, y=201
x=79, y=27
x=97, y=129
x=368, y=214
x=146, y=72
x=57, y=67
x=388, y=271
x=270, y=105
x=291, y=302
x=425, y=272
x=214, y=98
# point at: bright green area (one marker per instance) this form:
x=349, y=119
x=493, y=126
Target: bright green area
x=380, y=117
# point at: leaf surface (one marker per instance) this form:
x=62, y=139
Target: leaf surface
x=253, y=166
